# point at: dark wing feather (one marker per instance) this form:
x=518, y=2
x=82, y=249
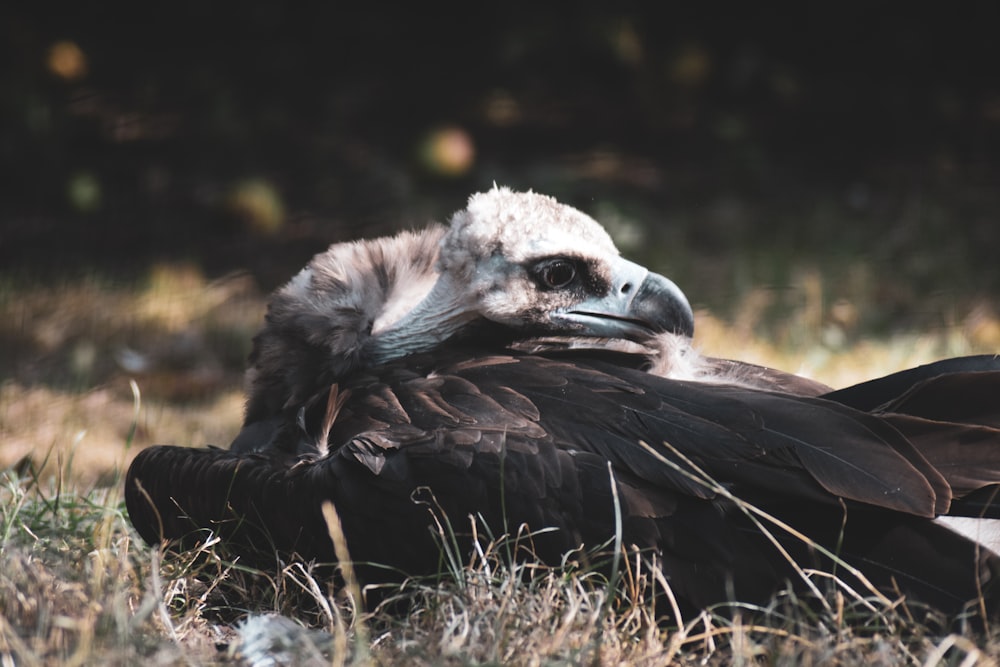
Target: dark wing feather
x=968, y=456
x=180, y=493
x=874, y=394
x=950, y=411
x=743, y=436
x=968, y=397
x=525, y=440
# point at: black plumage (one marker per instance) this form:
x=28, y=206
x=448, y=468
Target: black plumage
x=566, y=433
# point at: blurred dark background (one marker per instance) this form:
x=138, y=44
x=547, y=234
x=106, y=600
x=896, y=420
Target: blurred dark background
x=726, y=145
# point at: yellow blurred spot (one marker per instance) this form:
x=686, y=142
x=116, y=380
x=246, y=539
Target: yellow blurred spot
x=691, y=66
x=258, y=204
x=67, y=61
x=173, y=297
x=175, y=278
x=84, y=191
x=448, y=151
x=982, y=327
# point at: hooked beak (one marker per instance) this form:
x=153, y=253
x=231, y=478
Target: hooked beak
x=639, y=305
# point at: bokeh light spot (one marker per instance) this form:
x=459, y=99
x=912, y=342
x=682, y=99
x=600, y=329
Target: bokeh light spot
x=258, y=204
x=84, y=191
x=67, y=61
x=448, y=151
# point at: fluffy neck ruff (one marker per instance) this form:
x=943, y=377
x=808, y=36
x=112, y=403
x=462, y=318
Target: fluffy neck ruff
x=440, y=315
x=319, y=327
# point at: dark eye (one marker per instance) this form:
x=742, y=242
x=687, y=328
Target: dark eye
x=556, y=273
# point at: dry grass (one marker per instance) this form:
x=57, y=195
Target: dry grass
x=70, y=356
x=77, y=588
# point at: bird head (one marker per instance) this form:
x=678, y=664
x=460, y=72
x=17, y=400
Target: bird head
x=539, y=267
x=514, y=265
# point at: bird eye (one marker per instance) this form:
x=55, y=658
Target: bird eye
x=556, y=273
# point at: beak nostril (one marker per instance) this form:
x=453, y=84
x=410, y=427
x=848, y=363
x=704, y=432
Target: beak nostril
x=626, y=288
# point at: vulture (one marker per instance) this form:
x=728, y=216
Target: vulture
x=510, y=374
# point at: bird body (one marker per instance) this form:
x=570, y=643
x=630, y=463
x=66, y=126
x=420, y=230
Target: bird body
x=513, y=371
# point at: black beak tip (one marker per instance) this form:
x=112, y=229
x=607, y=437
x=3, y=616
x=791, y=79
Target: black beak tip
x=662, y=304
x=684, y=319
